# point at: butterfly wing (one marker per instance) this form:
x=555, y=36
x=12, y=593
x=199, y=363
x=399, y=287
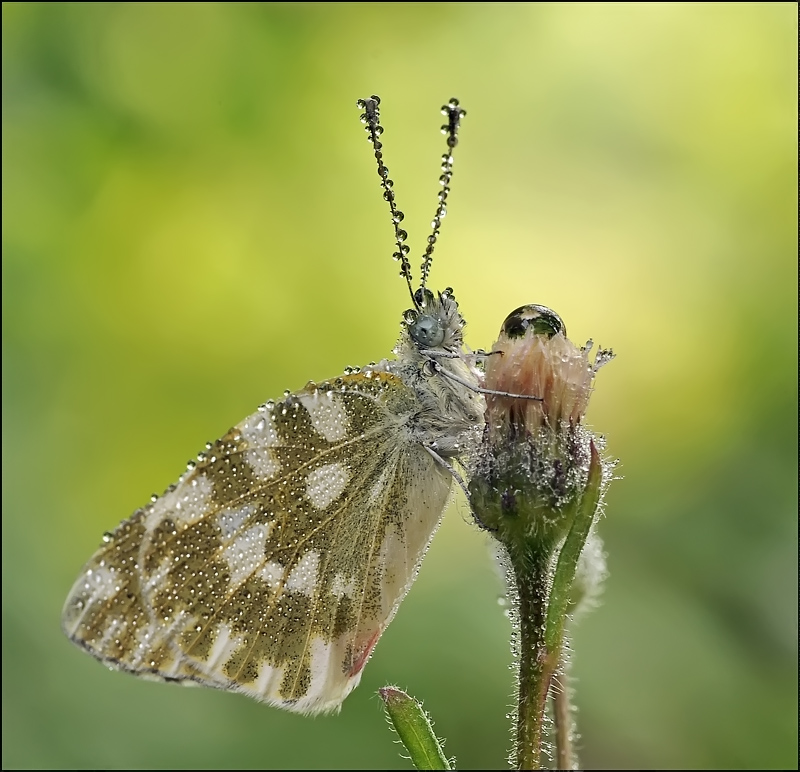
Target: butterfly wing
x=273, y=566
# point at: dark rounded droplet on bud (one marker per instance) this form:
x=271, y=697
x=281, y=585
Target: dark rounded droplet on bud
x=539, y=319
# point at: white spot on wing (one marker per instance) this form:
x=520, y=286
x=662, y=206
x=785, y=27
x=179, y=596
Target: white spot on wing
x=272, y=573
x=97, y=585
x=224, y=646
x=378, y=488
x=260, y=434
x=340, y=587
x=264, y=464
x=303, y=578
x=155, y=580
x=328, y=416
x=186, y=504
x=269, y=680
x=145, y=640
x=259, y=430
x=246, y=553
x=230, y=521
x=101, y=583
x=116, y=628
x=326, y=484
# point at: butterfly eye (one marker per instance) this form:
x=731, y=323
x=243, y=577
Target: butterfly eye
x=427, y=331
x=539, y=319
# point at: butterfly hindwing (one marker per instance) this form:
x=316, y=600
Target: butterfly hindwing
x=274, y=564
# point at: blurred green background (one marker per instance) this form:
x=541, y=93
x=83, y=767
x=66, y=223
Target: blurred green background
x=192, y=224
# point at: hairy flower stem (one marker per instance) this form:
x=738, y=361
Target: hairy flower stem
x=543, y=596
x=564, y=721
x=536, y=664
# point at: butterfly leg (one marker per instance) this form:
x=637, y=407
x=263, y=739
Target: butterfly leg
x=460, y=481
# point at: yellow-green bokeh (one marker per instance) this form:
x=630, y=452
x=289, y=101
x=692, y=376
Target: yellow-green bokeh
x=192, y=224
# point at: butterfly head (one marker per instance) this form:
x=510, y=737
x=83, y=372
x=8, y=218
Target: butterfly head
x=436, y=321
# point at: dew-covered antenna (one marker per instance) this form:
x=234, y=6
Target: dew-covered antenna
x=371, y=119
x=454, y=115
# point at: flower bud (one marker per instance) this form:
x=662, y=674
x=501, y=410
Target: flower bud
x=535, y=457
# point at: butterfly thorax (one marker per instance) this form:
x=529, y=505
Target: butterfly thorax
x=432, y=360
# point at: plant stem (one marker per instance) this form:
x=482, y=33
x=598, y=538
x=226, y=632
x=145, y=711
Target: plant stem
x=564, y=722
x=543, y=608
x=536, y=666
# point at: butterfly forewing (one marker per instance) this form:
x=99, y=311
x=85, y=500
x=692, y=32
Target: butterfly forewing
x=273, y=566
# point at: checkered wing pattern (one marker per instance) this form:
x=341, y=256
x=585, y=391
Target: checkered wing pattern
x=274, y=564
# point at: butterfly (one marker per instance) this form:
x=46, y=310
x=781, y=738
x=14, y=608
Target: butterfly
x=276, y=561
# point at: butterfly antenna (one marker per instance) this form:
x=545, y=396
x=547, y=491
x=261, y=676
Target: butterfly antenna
x=454, y=115
x=371, y=118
